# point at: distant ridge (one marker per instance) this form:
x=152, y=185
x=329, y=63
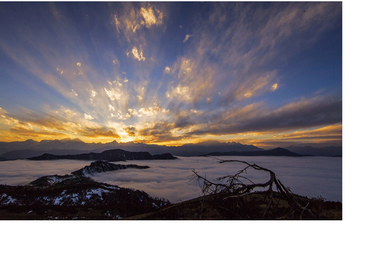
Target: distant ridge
x=273, y=152
x=31, y=148
x=113, y=155
x=333, y=151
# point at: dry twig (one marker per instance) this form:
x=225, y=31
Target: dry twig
x=238, y=185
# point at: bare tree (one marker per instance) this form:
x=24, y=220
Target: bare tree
x=237, y=185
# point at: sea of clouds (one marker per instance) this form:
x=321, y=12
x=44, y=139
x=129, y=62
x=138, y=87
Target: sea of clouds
x=171, y=179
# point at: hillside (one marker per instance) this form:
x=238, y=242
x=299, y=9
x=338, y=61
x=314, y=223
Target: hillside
x=249, y=207
x=73, y=197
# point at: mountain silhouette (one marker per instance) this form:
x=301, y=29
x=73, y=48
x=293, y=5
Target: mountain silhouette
x=273, y=152
x=108, y=155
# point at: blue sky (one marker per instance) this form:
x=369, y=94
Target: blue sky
x=268, y=74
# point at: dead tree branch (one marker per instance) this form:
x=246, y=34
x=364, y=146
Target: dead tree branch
x=237, y=185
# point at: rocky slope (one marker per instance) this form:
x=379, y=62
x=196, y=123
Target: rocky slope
x=76, y=196
x=102, y=166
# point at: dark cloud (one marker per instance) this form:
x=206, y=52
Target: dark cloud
x=101, y=131
x=312, y=112
x=159, y=132
x=20, y=130
x=131, y=130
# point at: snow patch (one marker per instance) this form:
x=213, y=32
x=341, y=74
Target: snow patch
x=8, y=200
x=98, y=192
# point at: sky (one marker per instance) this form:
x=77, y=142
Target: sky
x=267, y=74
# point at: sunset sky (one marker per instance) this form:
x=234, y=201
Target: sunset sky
x=267, y=74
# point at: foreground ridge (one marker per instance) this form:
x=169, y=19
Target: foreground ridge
x=76, y=196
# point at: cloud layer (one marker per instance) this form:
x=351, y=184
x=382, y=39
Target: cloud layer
x=172, y=179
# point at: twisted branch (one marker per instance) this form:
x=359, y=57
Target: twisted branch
x=238, y=185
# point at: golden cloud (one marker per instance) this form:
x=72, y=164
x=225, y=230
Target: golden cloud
x=157, y=133
x=40, y=135
x=88, y=117
x=131, y=130
x=194, y=82
x=100, y=131
x=138, y=54
x=151, y=15
x=131, y=19
x=113, y=94
x=187, y=37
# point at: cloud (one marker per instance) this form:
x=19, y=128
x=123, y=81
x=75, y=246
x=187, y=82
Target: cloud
x=26, y=132
x=131, y=130
x=113, y=94
x=305, y=113
x=111, y=108
x=117, y=23
x=211, y=87
x=153, y=110
x=88, y=117
x=131, y=19
x=247, y=88
x=249, y=55
x=193, y=82
x=157, y=133
x=138, y=54
x=187, y=37
x=68, y=112
x=151, y=15
x=33, y=120
x=330, y=135
x=6, y=119
x=97, y=131
x=322, y=134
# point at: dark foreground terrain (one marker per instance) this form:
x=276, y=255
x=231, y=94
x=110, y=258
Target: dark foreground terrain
x=95, y=201
x=73, y=198
x=249, y=207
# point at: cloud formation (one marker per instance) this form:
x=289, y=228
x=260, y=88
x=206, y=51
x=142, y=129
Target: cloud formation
x=138, y=54
x=135, y=74
x=187, y=37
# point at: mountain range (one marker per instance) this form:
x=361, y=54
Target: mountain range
x=273, y=152
x=113, y=155
x=31, y=148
